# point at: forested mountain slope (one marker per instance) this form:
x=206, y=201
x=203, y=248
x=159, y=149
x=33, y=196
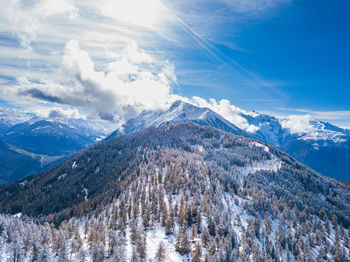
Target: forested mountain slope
x=174, y=193
x=321, y=146
x=13, y=163
x=32, y=143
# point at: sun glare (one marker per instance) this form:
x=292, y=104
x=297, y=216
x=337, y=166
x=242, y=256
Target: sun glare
x=143, y=13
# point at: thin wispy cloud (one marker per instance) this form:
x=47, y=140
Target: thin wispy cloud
x=340, y=114
x=255, y=7
x=24, y=18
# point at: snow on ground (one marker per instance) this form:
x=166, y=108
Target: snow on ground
x=18, y=215
x=260, y=145
x=62, y=176
x=23, y=183
x=153, y=239
x=319, y=132
x=198, y=148
x=325, y=135
x=221, y=146
x=264, y=165
x=85, y=190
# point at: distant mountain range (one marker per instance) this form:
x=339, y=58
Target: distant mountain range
x=30, y=144
x=48, y=138
x=38, y=143
x=11, y=117
x=323, y=147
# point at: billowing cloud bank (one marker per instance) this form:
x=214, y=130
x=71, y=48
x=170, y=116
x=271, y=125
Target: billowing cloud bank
x=228, y=111
x=133, y=81
x=297, y=124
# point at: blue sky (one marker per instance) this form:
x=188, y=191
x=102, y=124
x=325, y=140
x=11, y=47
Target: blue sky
x=282, y=57
x=300, y=49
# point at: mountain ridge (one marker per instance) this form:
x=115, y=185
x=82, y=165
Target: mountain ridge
x=128, y=147
x=321, y=141
x=178, y=112
x=179, y=192
x=42, y=142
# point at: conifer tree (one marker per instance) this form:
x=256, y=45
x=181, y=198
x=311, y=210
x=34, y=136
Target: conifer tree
x=328, y=230
x=335, y=222
x=255, y=251
x=182, y=244
x=145, y=219
x=268, y=227
x=164, y=215
x=198, y=222
x=168, y=227
x=97, y=252
x=196, y=253
x=160, y=255
x=323, y=215
x=141, y=246
x=204, y=237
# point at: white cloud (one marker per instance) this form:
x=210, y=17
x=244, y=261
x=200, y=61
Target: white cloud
x=340, y=118
x=58, y=112
x=135, y=81
x=297, y=124
x=53, y=7
x=25, y=17
x=228, y=111
x=139, y=13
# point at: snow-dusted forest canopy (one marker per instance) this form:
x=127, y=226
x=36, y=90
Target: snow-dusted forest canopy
x=176, y=193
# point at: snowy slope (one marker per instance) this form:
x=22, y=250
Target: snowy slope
x=178, y=112
x=272, y=131
x=11, y=117
x=34, y=143
x=207, y=195
x=322, y=146
x=48, y=137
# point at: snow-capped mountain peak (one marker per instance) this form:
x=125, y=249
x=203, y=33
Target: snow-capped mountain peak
x=179, y=111
x=307, y=140
x=324, y=132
